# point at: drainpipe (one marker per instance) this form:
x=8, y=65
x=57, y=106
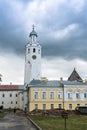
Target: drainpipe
x=61, y=82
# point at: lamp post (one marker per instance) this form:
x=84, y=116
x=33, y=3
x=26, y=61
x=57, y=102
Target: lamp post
x=65, y=116
x=63, y=95
x=62, y=85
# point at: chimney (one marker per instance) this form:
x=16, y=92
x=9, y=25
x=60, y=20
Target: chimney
x=61, y=80
x=10, y=83
x=44, y=79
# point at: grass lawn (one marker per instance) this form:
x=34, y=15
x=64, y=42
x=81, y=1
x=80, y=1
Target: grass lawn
x=74, y=122
x=2, y=115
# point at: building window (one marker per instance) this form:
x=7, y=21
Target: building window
x=59, y=94
x=10, y=95
x=69, y=95
x=43, y=95
x=2, y=102
x=36, y=95
x=77, y=95
x=34, y=50
x=52, y=106
x=39, y=51
x=70, y=106
x=11, y=102
x=16, y=95
x=78, y=105
x=51, y=95
x=36, y=106
x=44, y=106
x=16, y=102
x=22, y=98
x=85, y=95
x=3, y=95
x=28, y=50
x=60, y=106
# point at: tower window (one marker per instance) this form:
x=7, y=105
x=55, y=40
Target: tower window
x=39, y=51
x=28, y=50
x=34, y=50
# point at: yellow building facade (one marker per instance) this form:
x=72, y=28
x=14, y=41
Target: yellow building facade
x=54, y=94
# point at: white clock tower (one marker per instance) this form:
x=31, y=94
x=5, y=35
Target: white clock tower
x=32, y=59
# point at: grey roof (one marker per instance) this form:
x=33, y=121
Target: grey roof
x=39, y=83
x=75, y=76
x=73, y=83
x=33, y=33
x=21, y=87
x=54, y=83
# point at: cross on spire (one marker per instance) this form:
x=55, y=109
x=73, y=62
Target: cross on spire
x=33, y=26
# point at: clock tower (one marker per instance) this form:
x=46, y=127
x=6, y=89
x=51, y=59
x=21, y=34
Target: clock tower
x=32, y=59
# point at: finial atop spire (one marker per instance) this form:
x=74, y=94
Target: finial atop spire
x=33, y=26
x=74, y=69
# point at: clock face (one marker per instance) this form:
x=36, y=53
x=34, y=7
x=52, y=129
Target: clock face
x=34, y=57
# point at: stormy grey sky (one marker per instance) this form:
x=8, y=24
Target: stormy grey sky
x=61, y=26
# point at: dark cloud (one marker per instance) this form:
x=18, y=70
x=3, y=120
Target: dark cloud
x=13, y=36
x=66, y=51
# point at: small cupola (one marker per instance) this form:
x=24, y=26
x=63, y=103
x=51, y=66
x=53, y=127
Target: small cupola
x=33, y=33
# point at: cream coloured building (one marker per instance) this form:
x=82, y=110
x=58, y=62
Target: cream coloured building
x=54, y=94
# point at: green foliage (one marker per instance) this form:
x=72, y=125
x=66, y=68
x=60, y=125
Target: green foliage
x=74, y=122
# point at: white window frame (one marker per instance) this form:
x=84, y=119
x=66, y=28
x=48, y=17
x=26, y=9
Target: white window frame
x=36, y=106
x=85, y=94
x=60, y=95
x=51, y=95
x=77, y=95
x=44, y=106
x=69, y=95
x=36, y=95
x=51, y=106
x=43, y=95
x=70, y=106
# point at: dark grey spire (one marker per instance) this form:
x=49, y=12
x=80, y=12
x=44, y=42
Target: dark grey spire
x=75, y=76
